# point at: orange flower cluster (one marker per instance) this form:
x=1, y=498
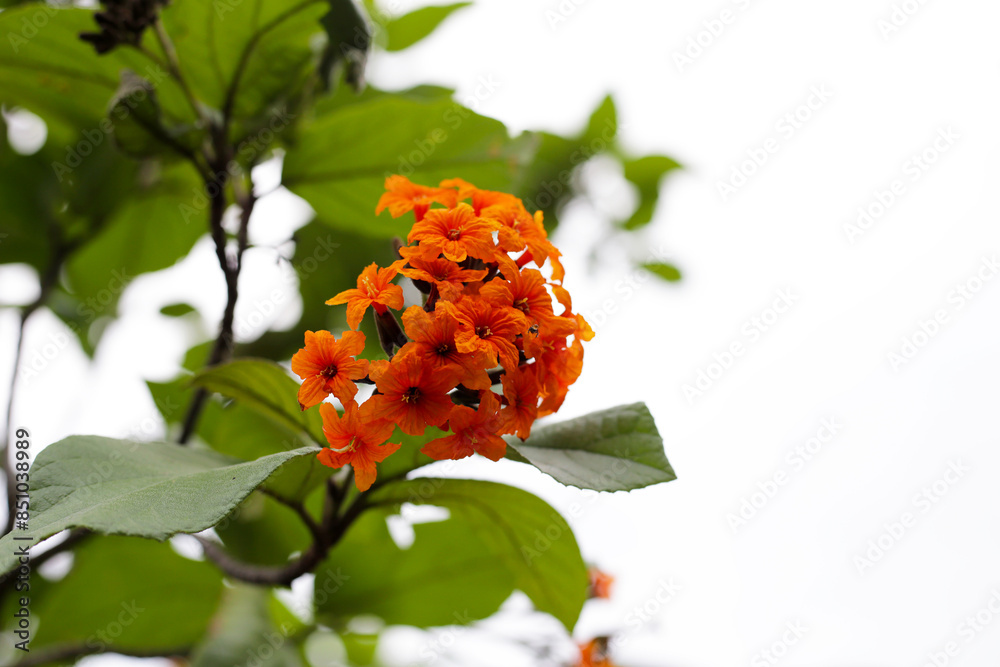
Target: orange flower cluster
x=487, y=319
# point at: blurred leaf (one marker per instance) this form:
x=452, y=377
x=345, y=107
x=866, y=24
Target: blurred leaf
x=448, y=576
x=340, y=160
x=250, y=59
x=125, y=593
x=131, y=488
x=522, y=532
x=177, y=310
x=349, y=39
x=602, y=127
x=408, y=29
x=646, y=173
x=263, y=531
x=136, y=123
x=46, y=68
x=668, y=272
x=618, y=449
x=243, y=634
x=266, y=387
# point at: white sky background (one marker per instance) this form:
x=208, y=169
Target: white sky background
x=899, y=429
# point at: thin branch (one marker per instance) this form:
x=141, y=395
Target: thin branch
x=174, y=65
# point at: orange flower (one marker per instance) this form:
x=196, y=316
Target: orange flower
x=473, y=431
x=356, y=441
x=432, y=338
x=455, y=233
x=524, y=290
x=402, y=196
x=327, y=366
x=520, y=388
x=412, y=394
x=374, y=289
x=446, y=275
x=600, y=583
x=487, y=328
x=595, y=653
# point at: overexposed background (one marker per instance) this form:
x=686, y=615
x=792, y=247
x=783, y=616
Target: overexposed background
x=882, y=542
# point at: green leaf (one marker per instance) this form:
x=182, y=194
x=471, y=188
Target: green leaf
x=408, y=29
x=448, y=576
x=124, y=593
x=131, y=488
x=618, y=449
x=177, y=310
x=244, y=634
x=249, y=59
x=263, y=531
x=264, y=386
x=668, y=272
x=521, y=531
x=46, y=68
x=348, y=42
x=646, y=173
x=340, y=161
x=602, y=127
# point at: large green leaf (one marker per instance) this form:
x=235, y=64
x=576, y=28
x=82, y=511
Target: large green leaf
x=404, y=31
x=46, y=68
x=248, y=58
x=243, y=633
x=618, y=449
x=132, y=488
x=265, y=387
x=339, y=161
x=520, y=530
x=124, y=593
x=448, y=576
x=261, y=530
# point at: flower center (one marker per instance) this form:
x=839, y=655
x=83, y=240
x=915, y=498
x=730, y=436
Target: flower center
x=330, y=371
x=443, y=349
x=412, y=395
x=454, y=234
x=483, y=331
x=368, y=286
x=522, y=305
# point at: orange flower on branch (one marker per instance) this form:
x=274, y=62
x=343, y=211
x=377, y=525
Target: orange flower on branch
x=356, y=441
x=432, y=338
x=520, y=389
x=374, y=289
x=446, y=275
x=486, y=328
x=327, y=366
x=455, y=233
x=487, y=319
x=412, y=394
x=403, y=196
x=473, y=431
